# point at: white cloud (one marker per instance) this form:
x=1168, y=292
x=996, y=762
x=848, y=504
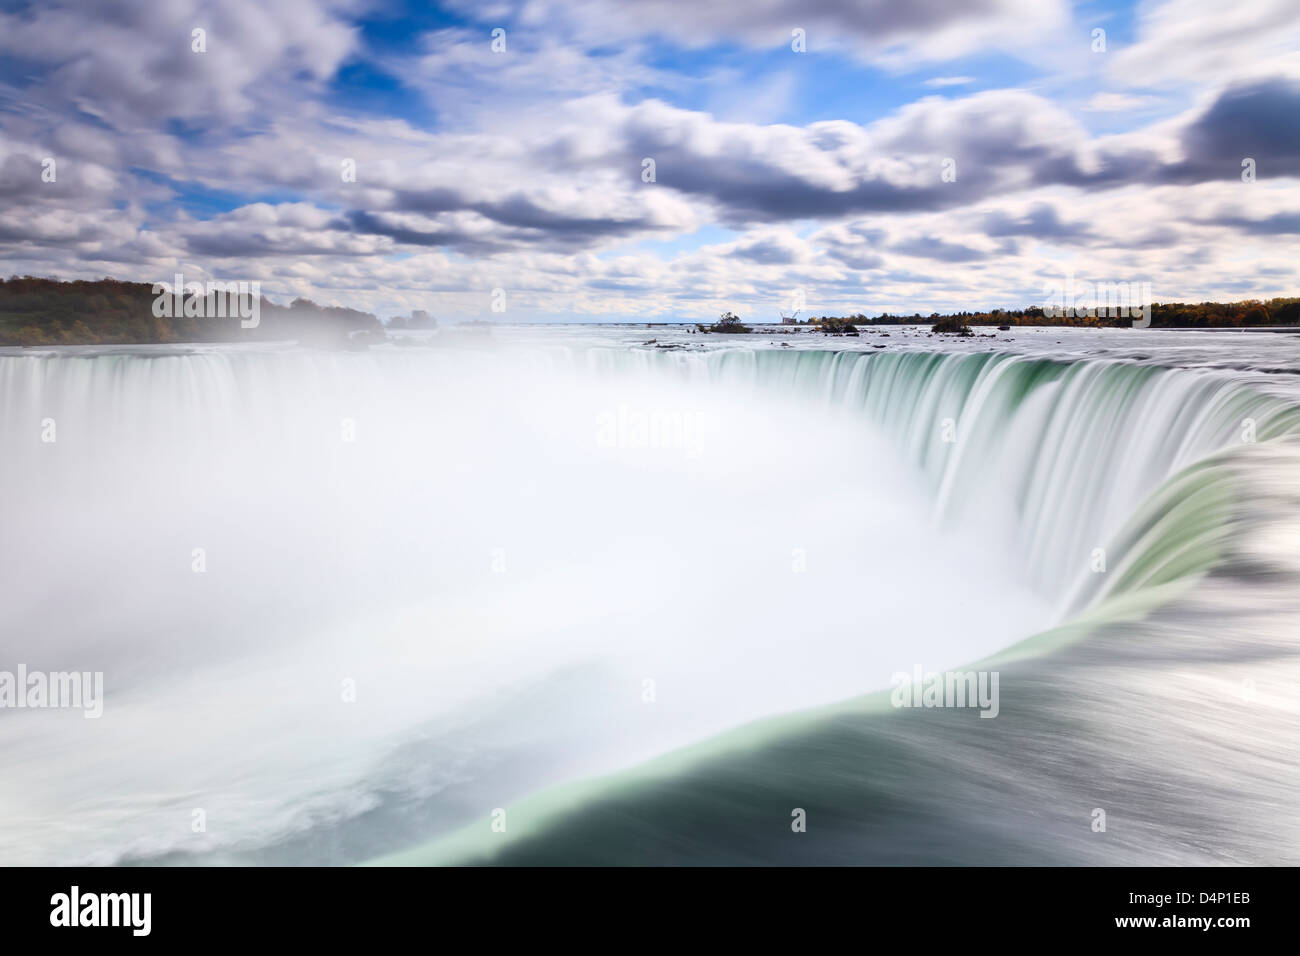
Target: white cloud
x=1117, y=102
x=1207, y=41
x=894, y=34
x=131, y=65
x=528, y=175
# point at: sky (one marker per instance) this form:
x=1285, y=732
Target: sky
x=655, y=160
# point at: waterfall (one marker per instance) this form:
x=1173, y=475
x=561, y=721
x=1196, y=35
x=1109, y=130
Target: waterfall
x=534, y=564
x=1063, y=457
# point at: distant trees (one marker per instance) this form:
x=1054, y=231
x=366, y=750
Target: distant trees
x=35, y=311
x=951, y=325
x=418, y=319
x=837, y=326
x=729, y=322
x=1250, y=312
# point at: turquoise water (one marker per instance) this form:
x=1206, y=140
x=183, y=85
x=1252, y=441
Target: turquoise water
x=521, y=531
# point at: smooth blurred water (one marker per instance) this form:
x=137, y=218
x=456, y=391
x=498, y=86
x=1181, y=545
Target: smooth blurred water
x=499, y=540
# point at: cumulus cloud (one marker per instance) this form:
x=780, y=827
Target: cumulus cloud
x=1194, y=41
x=528, y=170
x=130, y=64
x=1117, y=102
x=1250, y=119
x=882, y=30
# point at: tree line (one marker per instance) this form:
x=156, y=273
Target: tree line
x=1197, y=315
x=39, y=311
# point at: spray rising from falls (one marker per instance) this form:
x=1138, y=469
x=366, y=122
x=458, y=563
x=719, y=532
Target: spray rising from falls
x=1064, y=459
x=344, y=601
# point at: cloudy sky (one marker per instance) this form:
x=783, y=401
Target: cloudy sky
x=655, y=159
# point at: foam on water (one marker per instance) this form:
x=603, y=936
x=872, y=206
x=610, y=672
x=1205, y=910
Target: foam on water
x=499, y=548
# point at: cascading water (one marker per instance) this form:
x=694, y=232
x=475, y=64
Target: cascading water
x=346, y=603
x=1057, y=456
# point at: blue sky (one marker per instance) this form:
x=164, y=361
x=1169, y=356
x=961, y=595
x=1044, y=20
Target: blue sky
x=867, y=156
